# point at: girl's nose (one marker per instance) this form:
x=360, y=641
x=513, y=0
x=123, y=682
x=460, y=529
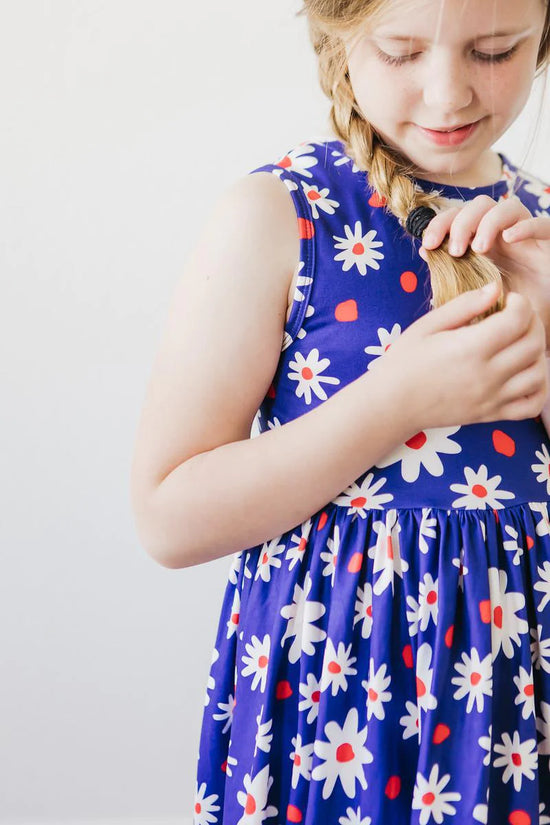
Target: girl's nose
x=446, y=85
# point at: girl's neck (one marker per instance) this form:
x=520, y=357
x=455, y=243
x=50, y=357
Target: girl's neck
x=487, y=171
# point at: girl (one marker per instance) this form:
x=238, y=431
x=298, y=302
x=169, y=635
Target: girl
x=383, y=652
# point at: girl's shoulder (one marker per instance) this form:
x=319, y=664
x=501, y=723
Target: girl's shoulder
x=529, y=187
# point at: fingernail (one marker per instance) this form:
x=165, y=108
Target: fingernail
x=488, y=288
x=478, y=245
x=454, y=248
x=428, y=239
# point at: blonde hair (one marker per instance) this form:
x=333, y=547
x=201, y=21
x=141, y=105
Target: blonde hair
x=390, y=174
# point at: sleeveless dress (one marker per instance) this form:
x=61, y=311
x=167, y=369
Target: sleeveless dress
x=386, y=662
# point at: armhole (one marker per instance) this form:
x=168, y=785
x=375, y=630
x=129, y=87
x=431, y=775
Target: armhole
x=306, y=231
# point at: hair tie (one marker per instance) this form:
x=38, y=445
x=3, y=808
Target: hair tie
x=418, y=220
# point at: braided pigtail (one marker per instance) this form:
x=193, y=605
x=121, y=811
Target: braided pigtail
x=390, y=174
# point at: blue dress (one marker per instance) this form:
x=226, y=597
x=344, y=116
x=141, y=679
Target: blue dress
x=386, y=662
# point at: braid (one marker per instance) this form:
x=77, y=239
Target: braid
x=391, y=175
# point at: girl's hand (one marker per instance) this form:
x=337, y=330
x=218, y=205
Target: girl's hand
x=510, y=236
x=454, y=373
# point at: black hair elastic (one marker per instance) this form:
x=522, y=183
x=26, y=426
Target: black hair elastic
x=418, y=220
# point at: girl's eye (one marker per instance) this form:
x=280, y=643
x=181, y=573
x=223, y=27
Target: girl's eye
x=482, y=57
x=496, y=58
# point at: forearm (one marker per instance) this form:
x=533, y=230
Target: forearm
x=246, y=492
x=545, y=414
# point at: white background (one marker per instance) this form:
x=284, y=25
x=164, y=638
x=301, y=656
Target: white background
x=122, y=121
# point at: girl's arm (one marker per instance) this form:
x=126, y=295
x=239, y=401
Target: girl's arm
x=201, y=487
x=545, y=414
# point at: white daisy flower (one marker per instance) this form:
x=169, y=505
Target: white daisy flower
x=267, y=558
x=501, y=610
x=302, y=757
x=543, y=585
x=226, y=714
x=337, y=666
x=475, y=679
x=543, y=469
x=518, y=758
x=211, y=683
x=235, y=567
x=203, y=811
x=375, y=687
x=318, y=200
x=359, y=250
x=526, y=692
x=296, y=551
x=264, y=737
x=480, y=491
x=512, y=545
x=426, y=530
x=344, y=754
x=424, y=676
x=257, y=661
x=300, y=160
x=540, y=650
x=363, y=610
x=341, y=159
x=330, y=556
x=422, y=450
x=387, y=553
x=311, y=690
x=254, y=798
x=481, y=811
x=386, y=340
x=230, y=763
x=430, y=798
x=543, y=819
x=307, y=374
x=300, y=615
x=538, y=188
x=543, y=526
x=359, y=498
x=354, y=818
x=410, y=721
x=233, y=621
x=485, y=742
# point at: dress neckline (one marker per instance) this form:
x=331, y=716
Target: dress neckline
x=495, y=190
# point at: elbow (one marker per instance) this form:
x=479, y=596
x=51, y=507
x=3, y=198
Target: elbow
x=152, y=537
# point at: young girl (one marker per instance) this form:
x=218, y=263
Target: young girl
x=383, y=652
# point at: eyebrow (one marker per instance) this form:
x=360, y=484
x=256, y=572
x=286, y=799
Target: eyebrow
x=408, y=38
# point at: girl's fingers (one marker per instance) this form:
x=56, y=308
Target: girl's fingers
x=438, y=228
x=459, y=222
x=536, y=228
x=504, y=215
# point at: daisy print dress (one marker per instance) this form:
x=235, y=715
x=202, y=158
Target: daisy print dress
x=386, y=662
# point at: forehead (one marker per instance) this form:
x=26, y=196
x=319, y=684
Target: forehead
x=455, y=19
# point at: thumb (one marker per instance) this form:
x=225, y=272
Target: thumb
x=464, y=308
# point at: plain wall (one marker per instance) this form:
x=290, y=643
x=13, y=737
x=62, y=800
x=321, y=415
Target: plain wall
x=122, y=121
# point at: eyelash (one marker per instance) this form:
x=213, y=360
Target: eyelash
x=480, y=56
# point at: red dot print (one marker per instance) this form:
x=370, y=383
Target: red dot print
x=334, y=667
x=529, y=541
x=377, y=201
x=485, y=611
x=449, y=636
x=307, y=373
x=503, y=444
x=358, y=248
x=475, y=678
x=235, y=618
x=408, y=281
x=344, y=753
x=408, y=656
x=283, y=690
x=316, y=695
x=224, y=766
x=428, y=798
x=369, y=611
x=420, y=687
x=498, y=616
x=441, y=733
x=393, y=787
x=250, y=806
x=265, y=558
x=431, y=598
x=262, y=661
x=198, y=808
x=297, y=760
x=417, y=441
x=389, y=548
x=479, y=490
x=306, y=230
x=271, y=392
x=322, y=520
x=285, y=163
x=346, y=311
x=529, y=689
x=293, y=814
x=516, y=759
x=354, y=564
x=519, y=818
x=313, y=195
x=373, y=696
x=359, y=502
x=497, y=519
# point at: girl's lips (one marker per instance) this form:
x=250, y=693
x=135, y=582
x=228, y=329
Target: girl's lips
x=453, y=138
